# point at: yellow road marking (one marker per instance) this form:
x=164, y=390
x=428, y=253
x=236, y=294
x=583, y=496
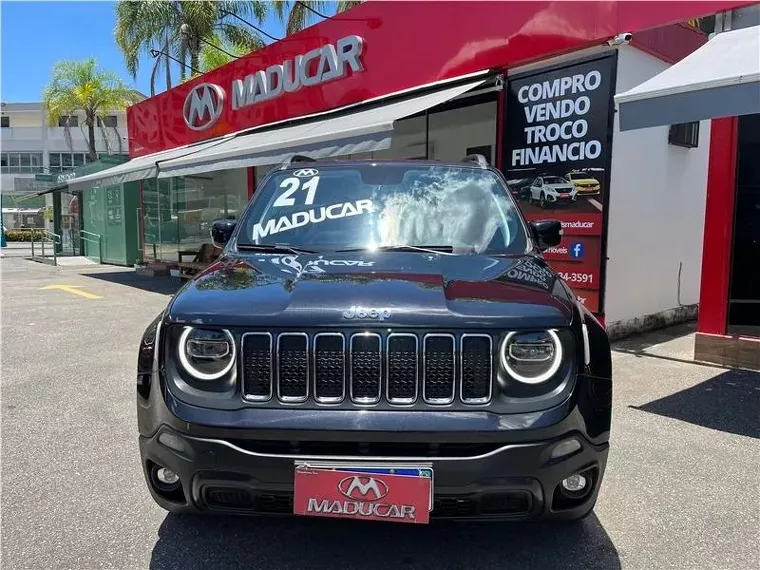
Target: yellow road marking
x=73, y=289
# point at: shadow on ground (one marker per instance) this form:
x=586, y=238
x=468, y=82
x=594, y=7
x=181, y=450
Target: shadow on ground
x=640, y=342
x=193, y=542
x=163, y=285
x=728, y=402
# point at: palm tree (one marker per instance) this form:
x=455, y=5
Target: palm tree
x=179, y=29
x=218, y=52
x=301, y=13
x=80, y=85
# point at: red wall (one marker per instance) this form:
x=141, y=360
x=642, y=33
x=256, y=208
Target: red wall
x=400, y=52
x=719, y=225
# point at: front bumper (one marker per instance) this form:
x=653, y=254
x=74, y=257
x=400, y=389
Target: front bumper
x=493, y=480
x=556, y=199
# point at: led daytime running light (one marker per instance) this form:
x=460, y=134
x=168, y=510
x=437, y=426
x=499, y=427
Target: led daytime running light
x=504, y=352
x=182, y=353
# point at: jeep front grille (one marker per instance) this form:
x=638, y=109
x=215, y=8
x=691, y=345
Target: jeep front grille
x=367, y=367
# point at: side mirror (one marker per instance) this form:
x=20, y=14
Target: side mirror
x=547, y=233
x=221, y=231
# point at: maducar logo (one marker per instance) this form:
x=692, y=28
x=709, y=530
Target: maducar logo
x=203, y=106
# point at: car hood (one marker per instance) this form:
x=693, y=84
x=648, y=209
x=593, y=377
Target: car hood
x=587, y=181
x=405, y=288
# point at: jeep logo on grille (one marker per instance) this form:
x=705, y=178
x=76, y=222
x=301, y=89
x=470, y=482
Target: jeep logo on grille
x=367, y=313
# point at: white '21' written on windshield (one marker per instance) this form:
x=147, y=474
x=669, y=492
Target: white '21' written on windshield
x=293, y=185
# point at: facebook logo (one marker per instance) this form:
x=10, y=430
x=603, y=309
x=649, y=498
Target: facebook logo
x=576, y=250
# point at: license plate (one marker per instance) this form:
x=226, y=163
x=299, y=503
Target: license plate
x=564, y=195
x=398, y=493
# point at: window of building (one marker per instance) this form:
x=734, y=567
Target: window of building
x=61, y=161
x=178, y=213
x=5, y=121
x=73, y=121
x=108, y=121
x=21, y=162
x=684, y=134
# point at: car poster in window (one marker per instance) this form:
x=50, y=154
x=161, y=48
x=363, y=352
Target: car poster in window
x=557, y=152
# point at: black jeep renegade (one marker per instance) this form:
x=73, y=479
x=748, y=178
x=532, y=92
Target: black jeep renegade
x=378, y=340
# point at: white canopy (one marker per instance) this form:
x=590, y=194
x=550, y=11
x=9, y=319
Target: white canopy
x=139, y=168
x=329, y=134
x=335, y=135
x=720, y=79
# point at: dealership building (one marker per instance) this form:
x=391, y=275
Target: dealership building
x=532, y=86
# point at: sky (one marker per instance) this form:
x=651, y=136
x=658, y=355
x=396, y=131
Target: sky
x=35, y=35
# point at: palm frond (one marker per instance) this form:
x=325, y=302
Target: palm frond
x=80, y=85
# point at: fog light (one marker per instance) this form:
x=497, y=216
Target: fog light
x=169, y=477
x=574, y=483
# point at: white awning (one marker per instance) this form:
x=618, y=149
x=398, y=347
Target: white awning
x=720, y=79
x=347, y=133
x=140, y=168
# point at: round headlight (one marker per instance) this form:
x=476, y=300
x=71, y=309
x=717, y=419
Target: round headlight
x=531, y=357
x=206, y=354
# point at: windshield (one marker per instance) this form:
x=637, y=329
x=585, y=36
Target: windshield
x=579, y=176
x=554, y=180
x=378, y=205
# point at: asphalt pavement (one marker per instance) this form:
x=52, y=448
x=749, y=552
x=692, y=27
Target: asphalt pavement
x=682, y=488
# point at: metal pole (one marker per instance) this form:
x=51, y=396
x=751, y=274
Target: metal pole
x=42, y=241
x=32, y=238
x=2, y=237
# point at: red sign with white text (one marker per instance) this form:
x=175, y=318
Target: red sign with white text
x=361, y=495
x=576, y=249
x=478, y=36
x=588, y=298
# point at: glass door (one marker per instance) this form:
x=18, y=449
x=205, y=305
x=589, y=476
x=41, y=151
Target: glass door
x=744, y=294
x=70, y=219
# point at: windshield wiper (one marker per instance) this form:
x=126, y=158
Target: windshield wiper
x=402, y=247
x=273, y=248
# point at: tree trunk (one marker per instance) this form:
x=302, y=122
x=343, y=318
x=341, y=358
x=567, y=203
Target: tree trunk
x=91, y=138
x=194, y=60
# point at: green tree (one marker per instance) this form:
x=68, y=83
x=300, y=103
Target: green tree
x=298, y=14
x=80, y=85
x=181, y=29
x=211, y=57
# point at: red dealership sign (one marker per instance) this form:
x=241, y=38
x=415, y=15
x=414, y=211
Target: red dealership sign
x=321, y=61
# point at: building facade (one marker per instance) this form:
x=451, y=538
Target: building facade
x=529, y=85
x=29, y=146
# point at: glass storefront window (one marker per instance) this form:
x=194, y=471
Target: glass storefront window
x=455, y=133
x=78, y=159
x=178, y=213
x=66, y=161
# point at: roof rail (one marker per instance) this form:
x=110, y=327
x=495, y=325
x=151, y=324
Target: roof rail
x=296, y=158
x=478, y=159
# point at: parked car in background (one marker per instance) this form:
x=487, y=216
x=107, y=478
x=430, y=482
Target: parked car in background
x=552, y=190
x=584, y=182
x=520, y=188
